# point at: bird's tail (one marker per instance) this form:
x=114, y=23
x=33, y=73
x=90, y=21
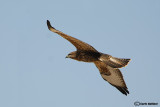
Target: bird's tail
x=117, y=62
x=114, y=62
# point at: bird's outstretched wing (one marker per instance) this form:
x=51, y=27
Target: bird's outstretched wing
x=113, y=76
x=77, y=43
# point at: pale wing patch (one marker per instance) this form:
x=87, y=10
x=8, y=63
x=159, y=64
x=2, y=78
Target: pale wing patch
x=115, y=78
x=112, y=75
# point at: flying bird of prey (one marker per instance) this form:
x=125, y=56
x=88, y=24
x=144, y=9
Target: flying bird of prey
x=108, y=65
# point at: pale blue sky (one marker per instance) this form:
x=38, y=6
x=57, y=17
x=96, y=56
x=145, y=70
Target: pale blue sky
x=33, y=68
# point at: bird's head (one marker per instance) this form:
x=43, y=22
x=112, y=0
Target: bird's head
x=72, y=55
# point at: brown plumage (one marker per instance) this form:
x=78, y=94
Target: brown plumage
x=107, y=65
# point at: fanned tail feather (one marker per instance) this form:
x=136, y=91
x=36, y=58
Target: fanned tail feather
x=117, y=62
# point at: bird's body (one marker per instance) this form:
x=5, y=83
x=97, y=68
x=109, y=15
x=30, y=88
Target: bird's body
x=107, y=65
x=87, y=56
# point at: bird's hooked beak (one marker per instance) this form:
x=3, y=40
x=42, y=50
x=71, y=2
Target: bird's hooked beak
x=67, y=56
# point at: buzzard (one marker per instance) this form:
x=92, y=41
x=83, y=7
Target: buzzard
x=108, y=65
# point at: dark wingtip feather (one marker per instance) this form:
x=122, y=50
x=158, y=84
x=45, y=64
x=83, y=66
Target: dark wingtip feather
x=123, y=90
x=49, y=25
